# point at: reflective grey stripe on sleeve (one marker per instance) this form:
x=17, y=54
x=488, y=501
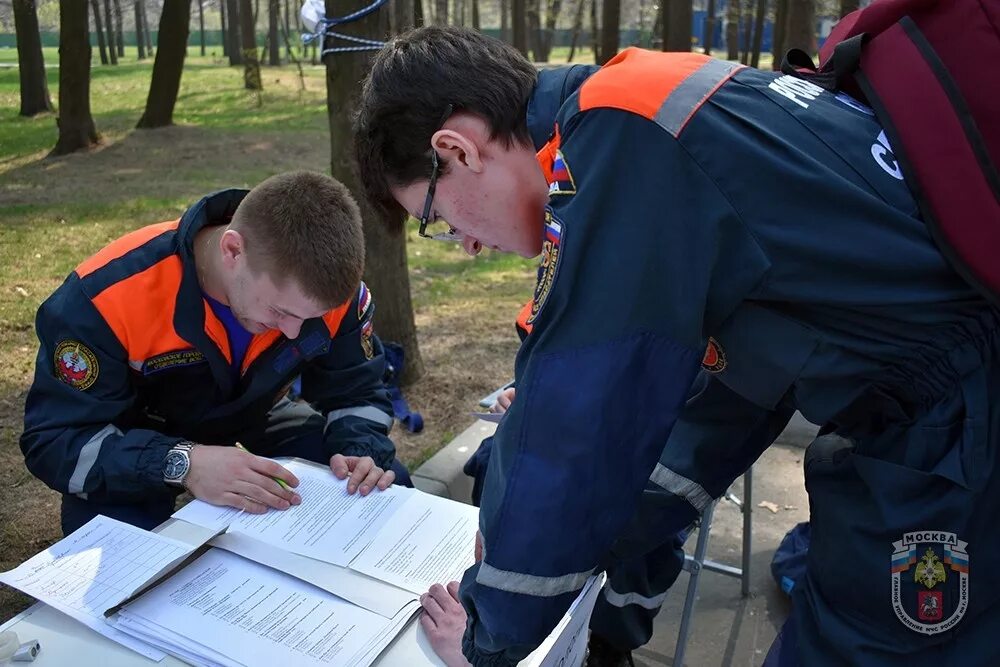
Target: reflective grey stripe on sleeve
x=678, y=485
x=88, y=457
x=617, y=599
x=688, y=96
x=530, y=584
x=368, y=412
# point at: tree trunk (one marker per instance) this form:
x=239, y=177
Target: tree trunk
x=677, y=25
x=610, y=22
x=778, y=42
x=146, y=31
x=138, y=30
x=235, y=43
x=169, y=64
x=418, y=13
x=475, y=15
x=222, y=26
x=201, y=24
x=548, y=33
x=848, y=6
x=385, y=253
x=760, y=12
x=248, y=40
x=76, y=125
x=532, y=13
x=30, y=61
x=595, y=43
x=273, y=47
x=577, y=27
x=709, y=33
x=746, y=25
x=119, y=29
x=505, y=20
x=733, y=30
x=401, y=17
x=800, y=32
x=518, y=25
x=110, y=30
x=288, y=32
x=440, y=12
x=99, y=30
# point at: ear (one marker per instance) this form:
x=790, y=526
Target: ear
x=232, y=246
x=458, y=147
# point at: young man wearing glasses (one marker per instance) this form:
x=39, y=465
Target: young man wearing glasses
x=694, y=214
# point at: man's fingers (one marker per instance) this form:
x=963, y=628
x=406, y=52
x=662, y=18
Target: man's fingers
x=361, y=470
x=260, y=495
x=428, y=623
x=341, y=465
x=272, y=469
x=242, y=502
x=432, y=606
x=388, y=477
x=369, y=482
x=274, y=488
x=453, y=589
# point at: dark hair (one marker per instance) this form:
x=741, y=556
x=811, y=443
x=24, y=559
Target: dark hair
x=413, y=79
x=304, y=226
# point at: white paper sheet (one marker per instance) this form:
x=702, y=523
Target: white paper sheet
x=329, y=525
x=566, y=646
x=430, y=540
x=355, y=587
x=94, y=569
x=492, y=417
x=257, y=616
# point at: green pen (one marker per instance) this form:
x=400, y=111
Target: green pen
x=282, y=483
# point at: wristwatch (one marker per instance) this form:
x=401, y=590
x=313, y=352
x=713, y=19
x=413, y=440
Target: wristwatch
x=177, y=464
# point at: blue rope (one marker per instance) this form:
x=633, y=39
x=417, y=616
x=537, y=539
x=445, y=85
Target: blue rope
x=364, y=44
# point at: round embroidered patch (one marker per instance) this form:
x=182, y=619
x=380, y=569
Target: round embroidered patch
x=75, y=364
x=714, y=360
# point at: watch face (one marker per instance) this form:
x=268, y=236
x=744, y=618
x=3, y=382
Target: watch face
x=175, y=466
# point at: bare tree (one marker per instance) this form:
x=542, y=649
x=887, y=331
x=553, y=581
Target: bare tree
x=505, y=20
x=171, y=40
x=288, y=31
x=733, y=18
x=201, y=24
x=119, y=29
x=778, y=47
x=677, y=16
x=709, y=33
x=99, y=30
x=518, y=29
x=138, y=30
x=235, y=41
x=109, y=25
x=385, y=252
x=146, y=31
x=610, y=25
x=800, y=31
x=418, y=13
x=577, y=28
x=440, y=12
x=475, y=14
x=532, y=16
x=223, y=27
x=248, y=39
x=76, y=125
x=547, y=36
x=595, y=42
x=273, y=48
x=760, y=11
x=30, y=61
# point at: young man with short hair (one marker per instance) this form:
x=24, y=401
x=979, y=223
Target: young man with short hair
x=695, y=214
x=180, y=340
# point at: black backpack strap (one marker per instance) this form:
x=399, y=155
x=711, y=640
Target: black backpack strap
x=842, y=64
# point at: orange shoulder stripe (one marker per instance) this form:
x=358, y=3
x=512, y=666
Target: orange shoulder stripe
x=140, y=310
x=123, y=246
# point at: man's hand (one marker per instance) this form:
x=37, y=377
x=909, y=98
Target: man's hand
x=444, y=622
x=233, y=477
x=504, y=400
x=363, y=471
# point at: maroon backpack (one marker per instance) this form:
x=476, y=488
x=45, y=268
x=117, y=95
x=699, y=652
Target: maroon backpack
x=929, y=69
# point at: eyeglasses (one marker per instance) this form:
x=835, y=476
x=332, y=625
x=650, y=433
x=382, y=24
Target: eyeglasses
x=452, y=234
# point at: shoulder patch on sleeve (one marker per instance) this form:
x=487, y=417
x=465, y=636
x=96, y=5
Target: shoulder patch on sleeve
x=76, y=365
x=562, y=180
x=364, y=301
x=551, y=246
